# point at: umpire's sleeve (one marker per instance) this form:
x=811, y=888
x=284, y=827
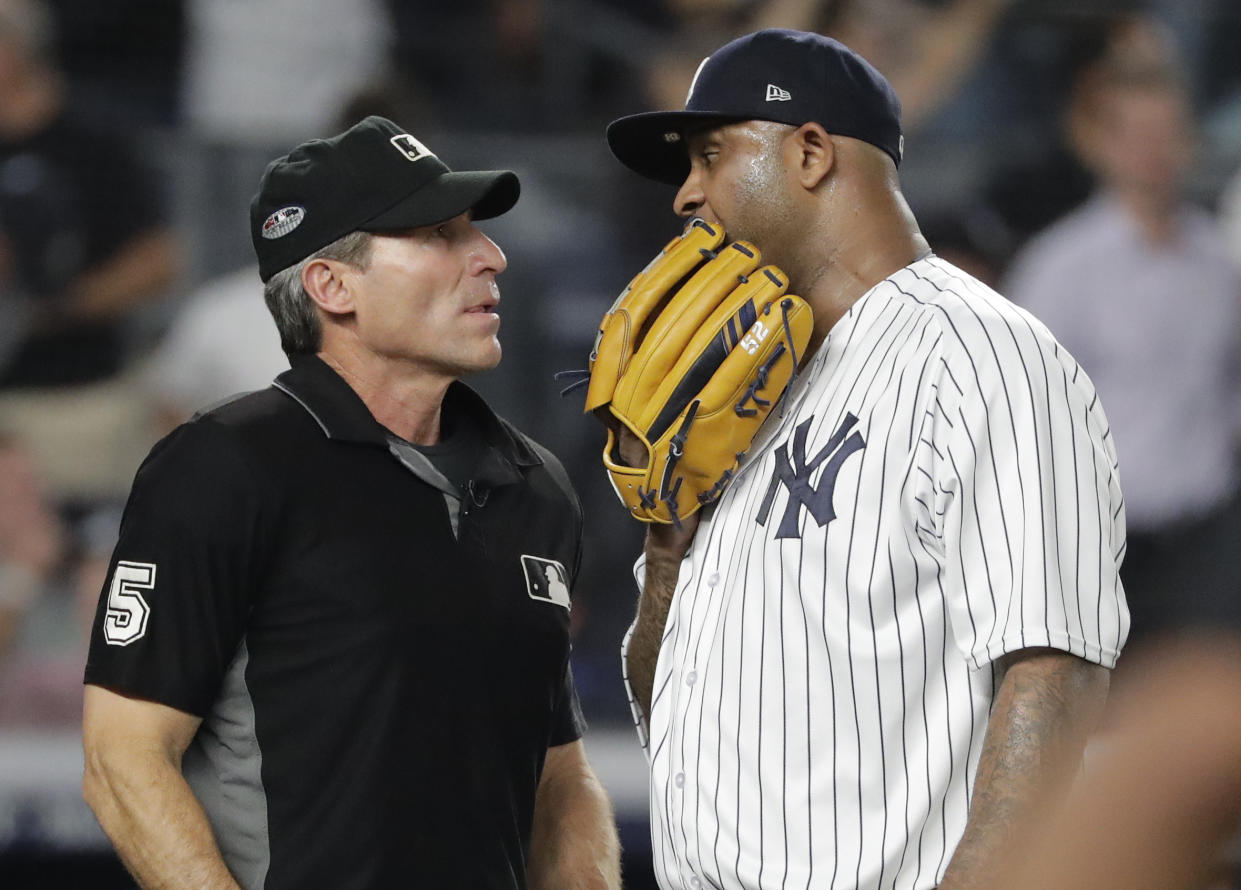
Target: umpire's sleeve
x=185, y=570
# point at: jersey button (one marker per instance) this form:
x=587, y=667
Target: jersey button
x=714, y=579
x=695, y=882
x=691, y=678
x=679, y=780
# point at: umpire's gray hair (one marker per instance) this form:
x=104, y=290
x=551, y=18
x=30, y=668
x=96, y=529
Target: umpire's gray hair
x=292, y=307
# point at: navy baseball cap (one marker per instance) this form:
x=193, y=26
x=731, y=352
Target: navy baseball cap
x=374, y=177
x=791, y=77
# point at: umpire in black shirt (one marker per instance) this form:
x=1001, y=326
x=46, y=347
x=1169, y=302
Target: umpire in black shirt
x=333, y=647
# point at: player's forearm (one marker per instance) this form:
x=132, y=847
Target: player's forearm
x=648, y=629
x=665, y=548
x=574, y=844
x=1048, y=703
x=154, y=821
x=1159, y=802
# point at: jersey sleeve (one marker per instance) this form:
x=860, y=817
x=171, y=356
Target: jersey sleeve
x=185, y=570
x=568, y=724
x=640, y=724
x=574, y=504
x=1027, y=502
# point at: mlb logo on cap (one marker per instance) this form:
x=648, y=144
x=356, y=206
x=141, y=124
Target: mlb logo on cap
x=411, y=148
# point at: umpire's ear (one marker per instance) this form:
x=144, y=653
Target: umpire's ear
x=326, y=284
x=812, y=152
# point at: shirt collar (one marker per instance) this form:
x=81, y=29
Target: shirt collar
x=344, y=417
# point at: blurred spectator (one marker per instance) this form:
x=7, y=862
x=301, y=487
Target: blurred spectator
x=1221, y=22
x=1036, y=172
x=1137, y=285
x=924, y=48
x=532, y=66
x=261, y=74
x=48, y=589
x=41, y=675
x=83, y=228
x=268, y=72
x=967, y=238
x=31, y=541
x=1230, y=217
x=221, y=343
x=123, y=59
x=83, y=245
x=1046, y=177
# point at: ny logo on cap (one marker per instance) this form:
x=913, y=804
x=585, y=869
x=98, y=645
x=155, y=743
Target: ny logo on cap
x=775, y=94
x=410, y=148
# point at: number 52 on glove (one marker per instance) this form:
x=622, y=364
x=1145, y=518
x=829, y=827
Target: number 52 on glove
x=690, y=359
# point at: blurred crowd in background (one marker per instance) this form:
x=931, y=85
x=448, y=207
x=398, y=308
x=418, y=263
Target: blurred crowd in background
x=1083, y=156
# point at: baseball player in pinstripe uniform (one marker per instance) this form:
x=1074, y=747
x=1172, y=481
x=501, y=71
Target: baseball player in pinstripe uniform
x=872, y=661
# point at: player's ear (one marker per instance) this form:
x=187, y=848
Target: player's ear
x=814, y=154
x=326, y=284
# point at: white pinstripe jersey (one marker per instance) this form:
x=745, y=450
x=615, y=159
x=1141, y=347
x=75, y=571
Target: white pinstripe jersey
x=941, y=489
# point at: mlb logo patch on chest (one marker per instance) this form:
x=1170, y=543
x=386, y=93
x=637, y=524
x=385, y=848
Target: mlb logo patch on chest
x=546, y=580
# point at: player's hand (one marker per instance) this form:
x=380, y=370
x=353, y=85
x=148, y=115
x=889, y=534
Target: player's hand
x=632, y=451
x=669, y=542
x=663, y=542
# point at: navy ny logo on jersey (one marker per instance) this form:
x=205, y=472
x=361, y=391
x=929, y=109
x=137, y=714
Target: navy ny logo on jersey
x=793, y=470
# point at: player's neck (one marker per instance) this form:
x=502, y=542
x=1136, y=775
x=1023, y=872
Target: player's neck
x=858, y=256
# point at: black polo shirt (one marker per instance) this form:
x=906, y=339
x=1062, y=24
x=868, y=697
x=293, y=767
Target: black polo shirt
x=378, y=693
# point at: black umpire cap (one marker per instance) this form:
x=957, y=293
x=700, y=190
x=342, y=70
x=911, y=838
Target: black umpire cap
x=791, y=77
x=374, y=177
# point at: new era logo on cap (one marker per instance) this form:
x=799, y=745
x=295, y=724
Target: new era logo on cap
x=775, y=94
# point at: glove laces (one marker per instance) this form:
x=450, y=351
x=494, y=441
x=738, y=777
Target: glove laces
x=579, y=377
x=760, y=376
x=676, y=449
x=785, y=306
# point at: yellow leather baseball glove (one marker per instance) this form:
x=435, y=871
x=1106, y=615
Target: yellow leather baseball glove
x=691, y=358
